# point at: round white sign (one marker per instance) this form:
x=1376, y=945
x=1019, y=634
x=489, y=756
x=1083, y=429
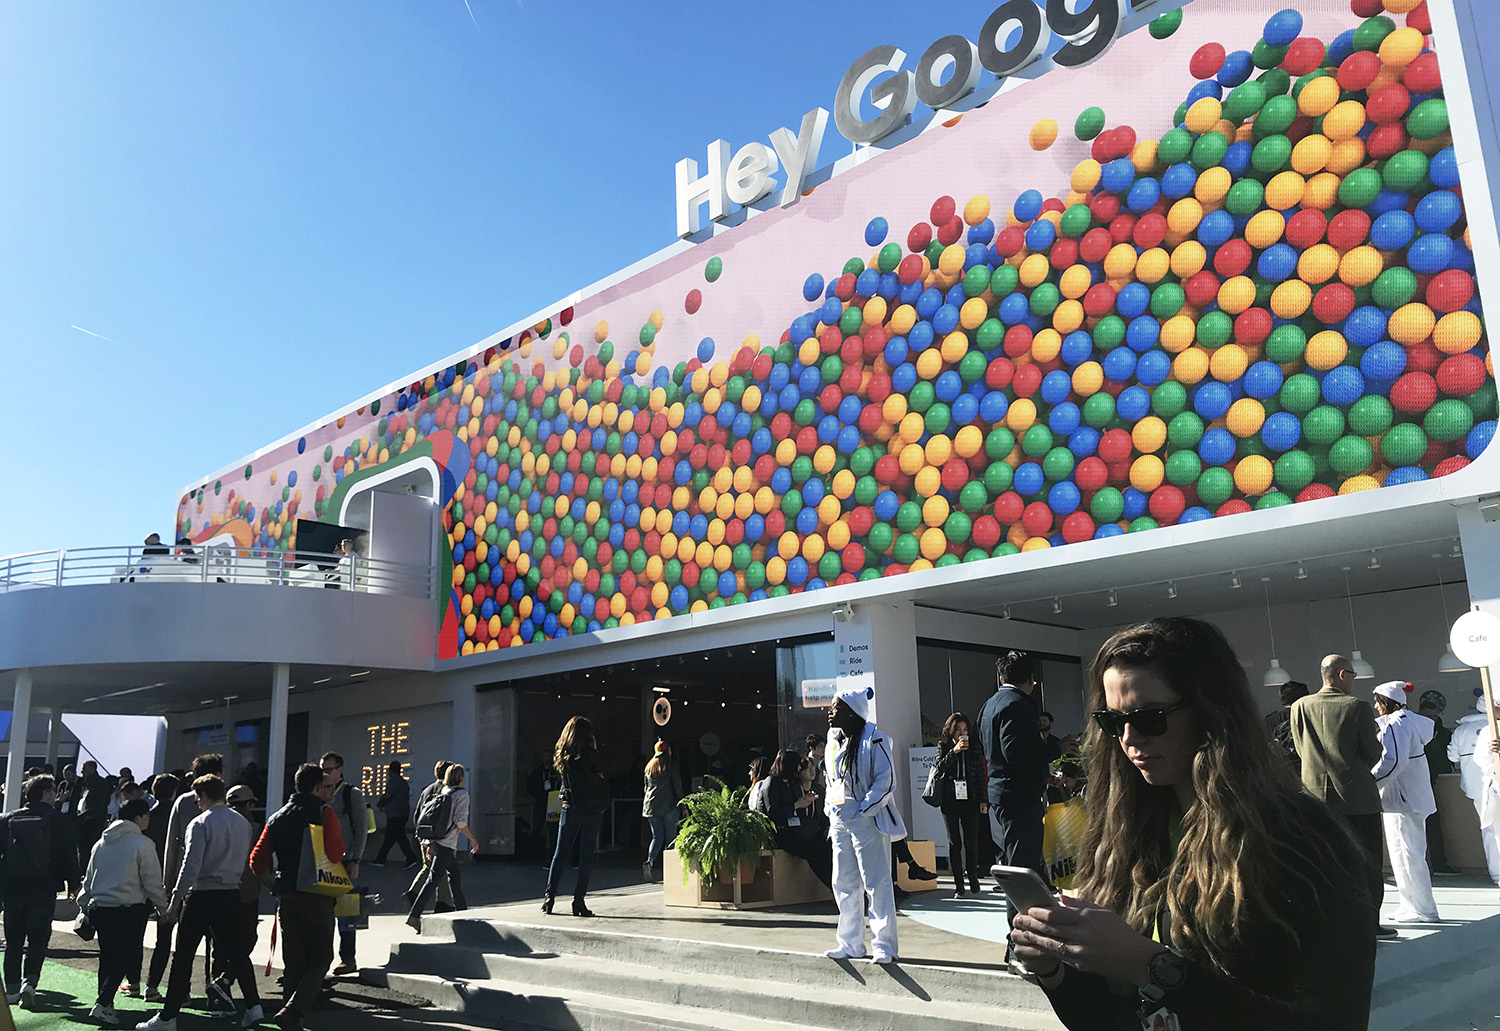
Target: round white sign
x=661, y=712
x=708, y=744
x=1475, y=639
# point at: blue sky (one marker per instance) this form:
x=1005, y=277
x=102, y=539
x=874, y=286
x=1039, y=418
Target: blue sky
x=272, y=208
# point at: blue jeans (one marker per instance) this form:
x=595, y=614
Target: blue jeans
x=663, y=831
x=582, y=828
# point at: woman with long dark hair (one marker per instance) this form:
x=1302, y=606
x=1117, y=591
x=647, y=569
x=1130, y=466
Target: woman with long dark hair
x=584, y=797
x=1211, y=890
x=789, y=802
x=960, y=764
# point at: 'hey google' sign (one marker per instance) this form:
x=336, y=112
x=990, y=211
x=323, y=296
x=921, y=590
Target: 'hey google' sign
x=946, y=73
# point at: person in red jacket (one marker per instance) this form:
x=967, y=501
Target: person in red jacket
x=306, y=920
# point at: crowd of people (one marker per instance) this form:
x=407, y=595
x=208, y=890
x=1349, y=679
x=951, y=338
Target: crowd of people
x=186, y=848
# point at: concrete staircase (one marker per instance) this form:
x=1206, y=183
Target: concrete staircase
x=521, y=977
x=1440, y=982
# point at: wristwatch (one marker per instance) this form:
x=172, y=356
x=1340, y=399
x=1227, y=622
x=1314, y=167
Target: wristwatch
x=1167, y=971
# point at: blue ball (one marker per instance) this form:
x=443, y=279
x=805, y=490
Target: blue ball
x=1387, y=200
x=1153, y=368
x=1405, y=474
x=1281, y=431
x=1116, y=175
x=945, y=319
x=1142, y=333
x=1084, y=441
x=903, y=379
x=1365, y=325
x=1077, y=348
x=1119, y=364
x=1263, y=380
x=1028, y=206
x=1277, y=262
x=1343, y=385
x=1212, y=400
x=1064, y=498
x=1237, y=68
x=1215, y=228
x=755, y=526
x=1056, y=386
x=983, y=232
x=1430, y=253
x=875, y=232
x=1206, y=88
x=965, y=408
x=886, y=505
x=1178, y=181
x=1144, y=193
x=1028, y=479
x=1283, y=27
x=1443, y=169
x=727, y=583
x=1108, y=530
x=930, y=301
x=1438, y=211
x=1136, y=503
x=1217, y=446
x=678, y=598
x=867, y=283
x=1196, y=514
x=1133, y=300
x=1237, y=158
x=1479, y=438
x=920, y=336
x=1393, y=230
x=796, y=571
x=1065, y=418
x=1133, y=403
x=1041, y=234
x=993, y=406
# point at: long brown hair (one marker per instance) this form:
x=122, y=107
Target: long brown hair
x=1253, y=844
x=576, y=739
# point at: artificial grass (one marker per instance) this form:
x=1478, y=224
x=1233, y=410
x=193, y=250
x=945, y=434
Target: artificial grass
x=66, y=994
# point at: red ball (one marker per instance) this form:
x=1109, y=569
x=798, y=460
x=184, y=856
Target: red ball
x=640, y=601
x=942, y=210
x=955, y=474
x=1315, y=491
x=1201, y=288
x=1413, y=393
x=1348, y=229
x=1358, y=70
x=853, y=557
x=1078, y=527
x=1099, y=300
x=1450, y=290
x=1064, y=253
x=1303, y=55
x=1451, y=465
x=1151, y=230
x=1207, y=60
x=1104, y=207
x=1122, y=228
x=693, y=302
x=986, y=532
x=775, y=524
x=870, y=418
x=1423, y=357
x=1008, y=508
x=1010, y=241
x=1423, y=75
x=1420, y=18
x=1091, y=474
x=1388, y=104
x=887, y=468
x=829, y=398
x=1366, y=8
x=1233, y=258
x=852, y=376
x=1115, y=446
x=843, y=286
x=910, y=269
x=1333, y=303
x=917, y=239
x=1234, y=506
x=1027, y=381
x=1387, y=140
x=1018, y=340
x=1252, y=326
x=1306, y=228
x=949, y=232
x=998, y=374
x=1167, y=504
x=1037, y=519
x=1095, y=244
x=860, y=519
x=1460, y=375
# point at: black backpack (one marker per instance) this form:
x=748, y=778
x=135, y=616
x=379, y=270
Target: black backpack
x=28, y=846
x=435, y=817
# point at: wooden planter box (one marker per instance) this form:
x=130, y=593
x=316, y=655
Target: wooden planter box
x=781, y=879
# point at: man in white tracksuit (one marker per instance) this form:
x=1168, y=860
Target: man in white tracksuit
x=1469, y=749
x=863, y=818
x=1405, y=799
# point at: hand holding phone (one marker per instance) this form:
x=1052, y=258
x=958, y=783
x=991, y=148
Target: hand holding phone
x=1024, y=888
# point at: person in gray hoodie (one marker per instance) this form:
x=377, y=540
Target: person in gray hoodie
x=120, y=888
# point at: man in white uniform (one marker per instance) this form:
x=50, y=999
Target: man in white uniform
x=1405, y=799
x=1469, y=749
x=861, y=807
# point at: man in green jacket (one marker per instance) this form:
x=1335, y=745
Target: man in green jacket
x=1336, y=739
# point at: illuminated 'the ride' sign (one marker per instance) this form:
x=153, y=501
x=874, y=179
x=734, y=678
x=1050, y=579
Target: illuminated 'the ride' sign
x=1012, y=38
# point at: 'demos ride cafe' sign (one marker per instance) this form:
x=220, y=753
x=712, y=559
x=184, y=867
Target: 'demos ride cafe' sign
x=1015, y=35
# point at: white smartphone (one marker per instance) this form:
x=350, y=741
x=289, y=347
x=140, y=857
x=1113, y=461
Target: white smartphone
x=1025, y=888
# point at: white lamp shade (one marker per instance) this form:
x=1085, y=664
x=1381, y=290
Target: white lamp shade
x=1450, y=663
x=1275, y=676
x=1362, y=669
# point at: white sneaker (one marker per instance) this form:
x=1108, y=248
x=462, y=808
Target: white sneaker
x=885, y=957
x=158, y=1023
x=28, y=997
x=105, y=1015
x=842, y=953
x=252, y=1016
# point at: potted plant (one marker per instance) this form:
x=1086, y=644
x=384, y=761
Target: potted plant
x=721, y=832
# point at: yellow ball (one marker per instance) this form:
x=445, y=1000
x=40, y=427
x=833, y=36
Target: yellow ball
x=1253, y=474
x=933, y=544
x=1075, y=281
x=1355, y=484
x=1021, y=415
x=1285, y=190
x=1326, y=350
x=838, y=535
x=1455, y=332
x=968, y=442
x=1043, y=134
x=1321, y=191
x=951, y=260
x=1087, y=379
x=1085, y=175
x=1236, y=294
x=912, y=458
x=1361, y=265
x=1212, y=185
x=928, y=482
x=1203, y=115
x=1152, y=265
x=874, y=311
x=1264, y=229
x=1036, y=544
x=1177, y=333
x=1068, y=316
x=930, y=363
x=977, y=209
x=775, y=570
x=1228, y=363
x=1347, y=156
x=1311, y=153
x=939, y=449
x=1413, y=323
x=903, y=319
x=1318, y=97
x=893, y=408
x=1401, y=47
x=1290, y=299
x=1190, y=366
x=1148, y=435
x=1147, y=473
x=1120, y=261
x=1188, y=259
x=1184, y=216
x=1035, y=270
x=1318, y=263
x=812, y=548
x=935, y=510
x=1345, y=120
x=601, y=331
x=1046, y=345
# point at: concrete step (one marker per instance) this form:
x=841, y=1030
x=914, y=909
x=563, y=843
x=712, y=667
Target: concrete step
x=1438, y=981
x=670, y=957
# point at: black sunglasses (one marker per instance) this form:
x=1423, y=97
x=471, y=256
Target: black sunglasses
x=1151, y=722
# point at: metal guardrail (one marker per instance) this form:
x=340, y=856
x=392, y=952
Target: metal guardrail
x=212, y=564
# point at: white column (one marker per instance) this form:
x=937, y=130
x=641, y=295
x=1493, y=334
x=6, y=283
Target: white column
x=54, y=737
x=1481, y=542
x=879, y=640
x=20, y=723
x=281, y=685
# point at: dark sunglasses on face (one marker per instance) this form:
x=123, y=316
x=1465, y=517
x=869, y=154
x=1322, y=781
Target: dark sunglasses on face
x=1150, y=722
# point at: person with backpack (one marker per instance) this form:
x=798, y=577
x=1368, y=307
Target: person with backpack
x=440, y=822
x=584, y=796
x=306, y=920
x=38, y=856
x=354, y=827
x=444, y=896
x=395, y=802
x=120, y=888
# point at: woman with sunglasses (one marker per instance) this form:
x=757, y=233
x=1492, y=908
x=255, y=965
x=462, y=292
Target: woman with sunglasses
x=1211, y=891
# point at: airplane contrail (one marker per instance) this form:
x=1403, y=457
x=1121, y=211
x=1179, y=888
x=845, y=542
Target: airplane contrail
x=471, y=14
x=90, y=332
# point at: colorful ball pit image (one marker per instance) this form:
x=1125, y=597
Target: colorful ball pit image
x=1246, y=286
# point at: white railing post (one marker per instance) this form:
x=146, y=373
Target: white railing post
x=62, y=558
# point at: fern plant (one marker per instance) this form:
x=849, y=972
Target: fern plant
x=720, y=831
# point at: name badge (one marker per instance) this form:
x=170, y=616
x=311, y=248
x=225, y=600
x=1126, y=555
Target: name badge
x=836, y=794
x=1162, y=1020
x=795, y=821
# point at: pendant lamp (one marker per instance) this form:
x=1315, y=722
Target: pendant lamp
x=1362, y=669
x=1447, y=662
x=1274, y=676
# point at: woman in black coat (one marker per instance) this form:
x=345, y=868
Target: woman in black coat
x=795, y=808
x=960, y=764
x=584, y=796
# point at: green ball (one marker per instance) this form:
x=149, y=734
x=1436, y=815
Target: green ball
x=908, y=516
x=830, y=369
x=956, y=528
x=1482, y=402
x=1245, y=197
x=862, y=462
x=801, y=469
x=1359, y=188
x=1058, y=464
x=1090, y=123
x=714, y=269
x=1098, y=410
x=991, y=332
x=1108, y=505
x=1036, y=441
x=1166, y=24
x=1285, y=344
x=1294, y=470
x=1448, y=420
x=1272, y=499
x=791, y=503
x=854, y=266
x=1370, y=416
x=1263, y=55
x=1209, y=150
x=1185, y=429
x=1276, y=81
x=1276, y=117
x=851, y=320
x=1045, y=297
x=878, y=540
x=1244, y=100
x=1372, y=32
x=1177, y=144
x=976, y=555
x=1109, y=332
x=1394, y=287
x=933, y=252
x=1215, y=486
x=830, y=566
x=1323, y=425
x=971, y=367
x=973, y=497
x=1350, y=456
x=1142, y=524
x=998, y=477
x=944, y=560
x=976, y=280
x=937, y=418
x=921, y=396
x=1403, y=444
x=1404, y=170
x=1076, y=221
x=889, y=257
x=648, y=334
x=1005, y=548
x=1167, y=300
x=1168, y=398
x=1214, y=329
x=1428, y=120
x=1183, y=468
x=1005, y=280
x=908, y=549
x=999, y=442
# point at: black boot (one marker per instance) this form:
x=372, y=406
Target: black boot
x=579, y=909
x=547, y=901
x=917, y=873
